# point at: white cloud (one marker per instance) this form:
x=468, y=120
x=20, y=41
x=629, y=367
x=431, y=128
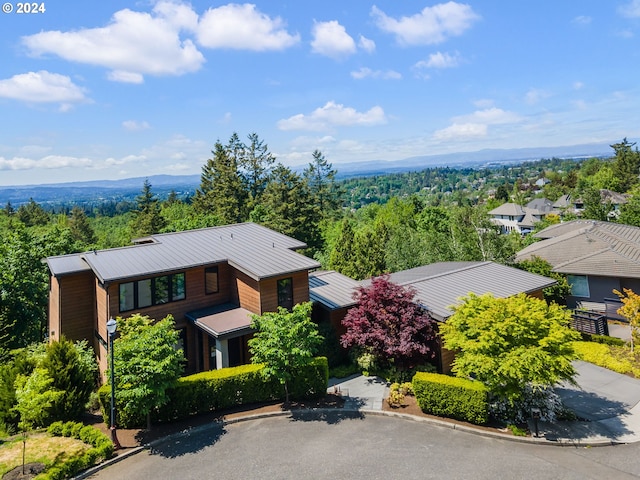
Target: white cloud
x=125, y=77
x=439, y=60
x=332, y=40
x=578, y=85
x=630, y=10
x=461, y=131
x=581, y=20
x=488, y=116
x=431, y=26
x=333, y=115
x=48, y=162
x=366, y=44
x=131, y=45
x=365, y=72
x=534, y=96
x=134, y=126
x=476, y=124
x=242, y=27
x=41, y=87
x=483, y=103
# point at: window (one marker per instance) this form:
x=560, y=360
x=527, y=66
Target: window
x=285, y=293
x=211, y=280
x=126, y=296
x=579, y=285
x=152, y=291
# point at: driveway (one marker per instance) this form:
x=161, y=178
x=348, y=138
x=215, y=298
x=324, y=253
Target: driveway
x=359, y=446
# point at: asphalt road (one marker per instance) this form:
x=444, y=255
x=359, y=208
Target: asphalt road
x=373, y=447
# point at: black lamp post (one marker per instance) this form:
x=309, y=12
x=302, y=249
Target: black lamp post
x=111, y=330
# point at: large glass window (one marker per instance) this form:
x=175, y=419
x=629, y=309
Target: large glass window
x=126, y=296
x=211, y=280
x=285, y=293
x=579, y=285
x=178, y=292
x=152, y=291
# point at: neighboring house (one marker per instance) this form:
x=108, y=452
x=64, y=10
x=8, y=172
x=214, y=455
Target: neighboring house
x=211, y=280
x=567, y=204
x=511, y=217
x=597, y=258
x=440, y=286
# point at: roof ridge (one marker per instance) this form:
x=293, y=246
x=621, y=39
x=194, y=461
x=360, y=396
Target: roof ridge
x=448, y=272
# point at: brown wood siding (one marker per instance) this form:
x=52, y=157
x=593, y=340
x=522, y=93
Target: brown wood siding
x=269, y=290
x=54, y=309
x=537, y=294
x=247, y=292
x=446, y=357
x=76, y=306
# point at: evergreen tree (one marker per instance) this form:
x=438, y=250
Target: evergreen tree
x=222, y=191
x=288, y=207
x=320, y=177
x=8, y=209
x=80, y=227
x=32, y=214
x=630, y=211
x=256, y=163
x=148, y=217
x=594, y=209
x=626, y=165
x=73, y=377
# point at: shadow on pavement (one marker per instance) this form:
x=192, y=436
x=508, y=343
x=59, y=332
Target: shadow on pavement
x=330, y=417
x=590, y=405
x=189, y=442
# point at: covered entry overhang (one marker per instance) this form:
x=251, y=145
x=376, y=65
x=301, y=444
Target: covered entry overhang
x=223, y=323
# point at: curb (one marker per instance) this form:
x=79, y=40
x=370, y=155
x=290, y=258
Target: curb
x=380, y=413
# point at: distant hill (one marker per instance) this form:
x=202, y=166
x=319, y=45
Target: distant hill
x=97, y=191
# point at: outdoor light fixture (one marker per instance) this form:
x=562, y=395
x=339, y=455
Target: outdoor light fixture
x=112, y=326
x=536, y=414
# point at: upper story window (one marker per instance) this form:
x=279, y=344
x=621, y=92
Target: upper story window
x=211, y=280
x=151, y=291
x=285, y=293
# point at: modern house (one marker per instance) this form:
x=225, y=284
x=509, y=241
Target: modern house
x=597, y=257
x=210, y=280
x=440, y=286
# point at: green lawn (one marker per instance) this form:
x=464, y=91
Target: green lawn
x=41, y=447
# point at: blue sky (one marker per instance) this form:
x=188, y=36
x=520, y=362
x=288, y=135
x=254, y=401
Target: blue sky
x=97, y=90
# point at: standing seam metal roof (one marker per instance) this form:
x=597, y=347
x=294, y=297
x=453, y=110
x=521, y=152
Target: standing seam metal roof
x=256, y=250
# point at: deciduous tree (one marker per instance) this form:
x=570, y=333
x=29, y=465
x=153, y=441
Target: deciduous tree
x=630, y=310
x=147, y=363
x=509, y=343
x=389, y=324
x=284, y=341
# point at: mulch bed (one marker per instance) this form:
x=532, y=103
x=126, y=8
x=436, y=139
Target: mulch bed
x=30, y=471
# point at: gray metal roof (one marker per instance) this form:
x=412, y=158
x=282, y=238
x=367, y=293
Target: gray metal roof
x=425, y=271
x=332, y=289
x=590, y=247
x=253, y=249
x=439, y=292
x=222, y=321
x=65, y=264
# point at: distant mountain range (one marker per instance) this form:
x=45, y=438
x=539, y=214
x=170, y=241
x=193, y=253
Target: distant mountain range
x=97, y=191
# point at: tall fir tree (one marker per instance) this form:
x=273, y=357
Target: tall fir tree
x=343, y=255
x=626, y=165
x=222, y=190
x=320, y=177
x=256, y=164
x=81, y=229
x=148, y=218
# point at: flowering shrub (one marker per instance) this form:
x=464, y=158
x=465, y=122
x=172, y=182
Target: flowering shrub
x=546, y=399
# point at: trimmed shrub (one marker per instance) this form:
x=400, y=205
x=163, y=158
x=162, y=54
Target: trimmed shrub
x=451, y=397
x=226, y=388
x=102, y=449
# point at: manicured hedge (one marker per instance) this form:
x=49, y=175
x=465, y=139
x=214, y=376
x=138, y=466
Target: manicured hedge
x=451, y=397
x=607, y=340
x=226, y=388
x=102, y=449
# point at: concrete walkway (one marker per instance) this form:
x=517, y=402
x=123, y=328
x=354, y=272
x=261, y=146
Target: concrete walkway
x=361, y=393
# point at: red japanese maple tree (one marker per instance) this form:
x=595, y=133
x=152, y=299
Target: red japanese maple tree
x=389, y=324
